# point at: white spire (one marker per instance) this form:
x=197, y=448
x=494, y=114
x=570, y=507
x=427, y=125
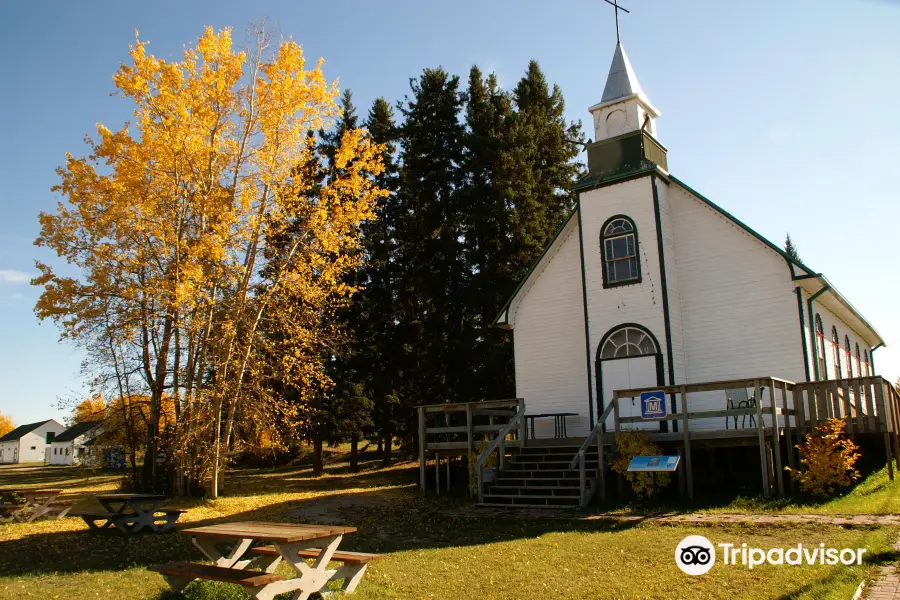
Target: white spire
x=621, y=81
x=624, y=107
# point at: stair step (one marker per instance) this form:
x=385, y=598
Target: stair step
x=556, y=506
x=544, y=474
x=548, y=465
x=534, y=481
x=510, y=499
x=500, y=490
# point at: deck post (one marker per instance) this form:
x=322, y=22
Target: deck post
x=449, y=459
x=681, y=482
x=761, y=429
x=523, y=431
x=619, y=479
x=891, y=402
x=437, y=474
x=601, y=464
x=689, y=472
x=882, y=418
x=470, y=432
x=776, y=439
x=422, y=448
x=788, y=434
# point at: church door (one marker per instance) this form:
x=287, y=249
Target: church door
x=629, y=357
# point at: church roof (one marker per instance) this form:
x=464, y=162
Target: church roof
x=807, y=278
x=21, y=431
x=621, y=81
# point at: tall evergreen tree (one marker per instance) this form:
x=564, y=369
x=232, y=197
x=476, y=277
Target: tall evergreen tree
x=377, y=301
x=429, y=230
x=487, y=234
x=542, y=167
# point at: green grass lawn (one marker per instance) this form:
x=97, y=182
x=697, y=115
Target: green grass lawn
x=428, y=554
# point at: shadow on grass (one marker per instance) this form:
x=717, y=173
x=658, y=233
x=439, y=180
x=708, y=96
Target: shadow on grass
x=387, y=519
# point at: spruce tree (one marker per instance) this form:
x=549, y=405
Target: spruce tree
x=790, y=249
x=487, y=234
x=543, y=167
x=377, y=301
x=430, y=260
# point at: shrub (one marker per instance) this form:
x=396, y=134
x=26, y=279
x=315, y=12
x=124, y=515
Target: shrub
x=630, y=444
x=829, y=459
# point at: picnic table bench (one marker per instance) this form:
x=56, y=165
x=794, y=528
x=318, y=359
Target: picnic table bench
x=254, y=568
x=24, y=506
x=131, y=513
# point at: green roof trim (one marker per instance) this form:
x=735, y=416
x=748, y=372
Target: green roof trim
x=583, y=184
x=496, y=322
x=811, y=273
x=592, y=181
x=743, y=226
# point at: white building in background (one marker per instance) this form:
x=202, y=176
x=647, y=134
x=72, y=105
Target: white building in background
x=27, y=443
x=650, y=283
x=71, y=446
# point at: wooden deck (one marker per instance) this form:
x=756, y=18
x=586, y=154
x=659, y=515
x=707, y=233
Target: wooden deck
x=786, y=412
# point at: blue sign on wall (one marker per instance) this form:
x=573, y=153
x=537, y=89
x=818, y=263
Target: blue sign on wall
x=654, y=463
x=653, y=405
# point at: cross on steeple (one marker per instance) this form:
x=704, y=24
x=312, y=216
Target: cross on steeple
x=615, y=5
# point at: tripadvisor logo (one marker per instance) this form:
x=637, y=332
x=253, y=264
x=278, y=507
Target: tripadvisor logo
x=696, y=555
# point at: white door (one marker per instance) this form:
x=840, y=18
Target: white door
x=628, y=373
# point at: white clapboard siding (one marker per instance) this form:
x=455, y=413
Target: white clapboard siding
x=640, y=303
x=551, y=373
x=829, y=320
x=738, y=303
x=673, y=282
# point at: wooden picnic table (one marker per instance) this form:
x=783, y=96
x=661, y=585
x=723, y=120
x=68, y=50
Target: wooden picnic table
x=253, y=567
x=131, y=513
x=25, y=506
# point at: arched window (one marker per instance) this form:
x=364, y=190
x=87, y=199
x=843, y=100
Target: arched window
x=865, y=368
x=627, y=342
x=859, y=363
x=820, y=348
x=618, y=249
x=836, y=346
x=848, y=355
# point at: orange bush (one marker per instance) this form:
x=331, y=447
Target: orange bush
x=829, y=459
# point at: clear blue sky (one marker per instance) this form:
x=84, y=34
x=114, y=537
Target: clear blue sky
x=783, y=113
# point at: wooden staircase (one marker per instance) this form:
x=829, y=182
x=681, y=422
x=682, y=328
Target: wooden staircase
x=539, y=477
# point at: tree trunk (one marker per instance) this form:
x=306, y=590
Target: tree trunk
x=380, y=444
x=318, y=467
x=386, y=456
x=354, y=453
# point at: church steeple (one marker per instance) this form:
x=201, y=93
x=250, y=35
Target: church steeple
x=624, y=125
x=624, y=107
x=621, y=81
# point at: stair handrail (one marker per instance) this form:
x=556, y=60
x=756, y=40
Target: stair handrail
x=579, y=459
x=598, y=426
x=496, y=443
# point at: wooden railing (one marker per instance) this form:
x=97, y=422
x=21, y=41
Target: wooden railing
x=499, y=445
x=462, y=428
x=598, y=481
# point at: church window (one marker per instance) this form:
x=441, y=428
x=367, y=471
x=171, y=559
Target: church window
x=627, y=342
x=618, y=248
x=848, y=355
x=859, y=363
x=836, y=346
x=820, y=348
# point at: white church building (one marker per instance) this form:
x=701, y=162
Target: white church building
x=650, y=283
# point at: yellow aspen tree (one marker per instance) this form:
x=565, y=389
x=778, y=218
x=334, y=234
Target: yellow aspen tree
x=6, y=424
x=169, y=219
